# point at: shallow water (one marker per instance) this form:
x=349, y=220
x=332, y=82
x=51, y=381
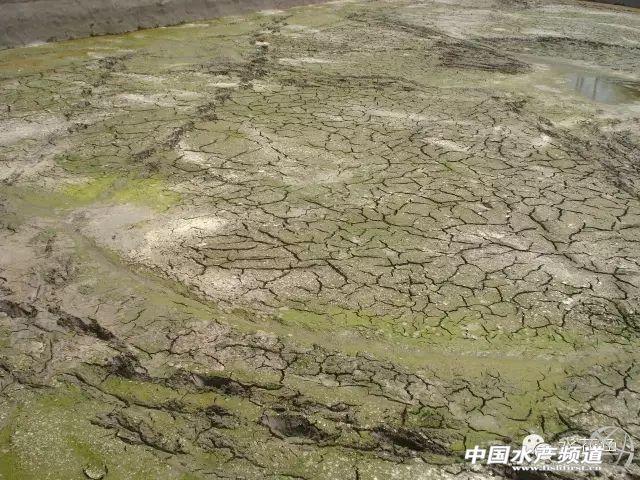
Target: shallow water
x=604, y=89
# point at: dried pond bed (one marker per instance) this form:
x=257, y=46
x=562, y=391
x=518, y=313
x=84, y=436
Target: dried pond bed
x=340, y=241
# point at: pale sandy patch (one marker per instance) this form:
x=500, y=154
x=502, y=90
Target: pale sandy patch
x=178, y=230
x=303, y=60
x=447, y=144
x=189, y=155
x=416, y=117
x=15, y=130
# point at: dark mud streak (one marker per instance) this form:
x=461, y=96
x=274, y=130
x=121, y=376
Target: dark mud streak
x=15, y=310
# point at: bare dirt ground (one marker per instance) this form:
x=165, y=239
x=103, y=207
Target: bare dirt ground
x=335, y=242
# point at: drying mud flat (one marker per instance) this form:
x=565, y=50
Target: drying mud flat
x=342, y=241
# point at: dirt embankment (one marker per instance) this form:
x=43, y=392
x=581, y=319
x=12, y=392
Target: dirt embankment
x=23, y=22
x=626, y=3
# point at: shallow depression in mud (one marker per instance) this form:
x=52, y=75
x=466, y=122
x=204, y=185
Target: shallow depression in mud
x=596, y=84
x=603, y=89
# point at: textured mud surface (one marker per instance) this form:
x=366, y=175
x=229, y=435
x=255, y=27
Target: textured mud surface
x=335, y=242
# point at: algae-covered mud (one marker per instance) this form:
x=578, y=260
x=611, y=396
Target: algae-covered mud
x=347, y=241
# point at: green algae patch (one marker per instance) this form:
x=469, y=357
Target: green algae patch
x=443, y=334
x=51, y=436
x=151, y=192
x=9, y=460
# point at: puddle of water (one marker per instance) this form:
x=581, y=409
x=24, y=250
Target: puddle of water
x=557, y=75
x=605, y=90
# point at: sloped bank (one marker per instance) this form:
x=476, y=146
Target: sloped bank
x=626, y=3
x=23, y=22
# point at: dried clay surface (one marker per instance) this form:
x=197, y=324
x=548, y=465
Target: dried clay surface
x=342, y=241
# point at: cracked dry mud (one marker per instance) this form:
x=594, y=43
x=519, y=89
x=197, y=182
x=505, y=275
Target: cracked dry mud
x=336, y=242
